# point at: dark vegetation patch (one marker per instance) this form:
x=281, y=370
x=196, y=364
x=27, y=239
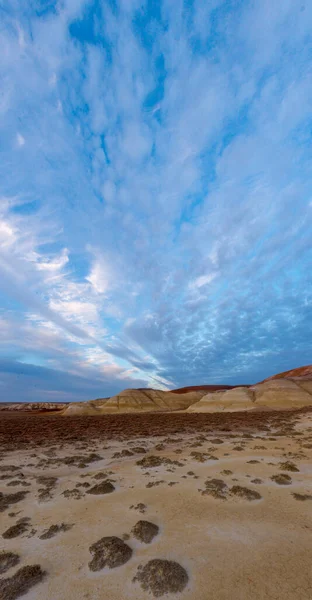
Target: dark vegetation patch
x=100, y=476
x=75, y=494
x=289, y=466
x=7, y=499
x=54, y=530
x=162, y=577
x=17, y=482
x=216, y=441
x=78, y=460
x=302, y=497
x=226, y=472
x=141, y=507
x=105, y=487
x=243, y=492
x=7, y=561
x=16, y=530
x=151, y=484
x=156, y=461
x=257, y=480
x=11, y=468
x=139, y=450
x=25, y=578
x=253, y=462
x=281, y=479
x=16, y=429
x=202, y=456
x=122, y=454
x=217, y=488
x=145, y=531
x=49, y=483
x=109, y=551
x=238, y=448
x=160, y=446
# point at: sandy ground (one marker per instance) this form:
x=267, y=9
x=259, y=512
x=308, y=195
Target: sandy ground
x=232, y=545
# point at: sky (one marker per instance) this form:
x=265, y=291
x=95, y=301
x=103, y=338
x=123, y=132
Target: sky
x=155, y=194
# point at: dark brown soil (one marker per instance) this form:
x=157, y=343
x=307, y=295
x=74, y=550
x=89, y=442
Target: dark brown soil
x=145, y=531
x=19, y=430
x=25, y=578
x=162, y=577
x=109, y=551
x=7, y=561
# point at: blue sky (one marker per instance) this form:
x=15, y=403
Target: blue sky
x=155, y=194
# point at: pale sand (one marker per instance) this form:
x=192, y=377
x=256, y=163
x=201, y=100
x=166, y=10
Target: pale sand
x=231, y=549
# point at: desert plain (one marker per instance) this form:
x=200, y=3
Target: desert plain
x=180, y=505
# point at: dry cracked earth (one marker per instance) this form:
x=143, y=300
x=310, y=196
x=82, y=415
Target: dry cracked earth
x=147, y=506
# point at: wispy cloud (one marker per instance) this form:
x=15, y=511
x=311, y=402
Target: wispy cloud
x=155, y=219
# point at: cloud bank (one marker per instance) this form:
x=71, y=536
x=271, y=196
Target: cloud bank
x=155, y=180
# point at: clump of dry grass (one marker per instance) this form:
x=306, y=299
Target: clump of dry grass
x=302, y=497
x=7, y=499
x=105, y=487
x=20, y=583
x=7, y=561
x=145, y=531
x=54, y=530
x=289, y=466
x=162, y=577
x=217, y=488
x=281, y=479
x=109, y=551
x=243, y=492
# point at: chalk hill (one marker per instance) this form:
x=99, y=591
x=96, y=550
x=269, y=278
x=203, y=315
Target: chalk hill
x=137, y=400
x=272, y=394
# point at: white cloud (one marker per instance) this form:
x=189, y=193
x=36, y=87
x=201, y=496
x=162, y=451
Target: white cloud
x=20, y=140
x=202, y=280
x=100, y=276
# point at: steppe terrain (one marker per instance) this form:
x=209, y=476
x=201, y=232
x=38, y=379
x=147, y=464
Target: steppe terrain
x=141, y=505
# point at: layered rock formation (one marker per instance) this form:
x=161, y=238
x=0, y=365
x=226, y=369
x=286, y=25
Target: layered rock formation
x=137, y=400
x=273, y=394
